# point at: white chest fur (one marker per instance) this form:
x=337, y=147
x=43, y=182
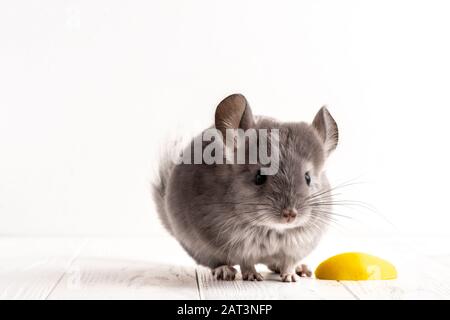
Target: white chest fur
x=261, y=243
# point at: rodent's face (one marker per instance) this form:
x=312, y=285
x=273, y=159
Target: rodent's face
x=298, y=192
x=290, y=197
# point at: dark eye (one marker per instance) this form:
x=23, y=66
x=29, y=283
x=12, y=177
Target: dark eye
x=308, y=178
x=259, y=178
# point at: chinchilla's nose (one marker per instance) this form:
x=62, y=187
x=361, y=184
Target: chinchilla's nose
x=289, y=214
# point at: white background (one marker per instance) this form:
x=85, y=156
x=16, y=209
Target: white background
x=90, y=90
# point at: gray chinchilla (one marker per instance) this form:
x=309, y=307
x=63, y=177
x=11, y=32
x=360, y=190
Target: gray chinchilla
x=230, y=214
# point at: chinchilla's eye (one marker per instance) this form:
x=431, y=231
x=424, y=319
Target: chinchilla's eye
x=259, y=178
x=308, y=178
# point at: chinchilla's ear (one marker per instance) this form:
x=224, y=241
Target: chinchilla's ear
x=327, y=129
x=233, y=113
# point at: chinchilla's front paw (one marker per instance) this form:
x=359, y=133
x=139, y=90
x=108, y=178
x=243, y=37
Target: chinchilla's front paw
x=288, y=277
x=303, y=271
x=252, y=276
x=224, y=272
x=249, y=273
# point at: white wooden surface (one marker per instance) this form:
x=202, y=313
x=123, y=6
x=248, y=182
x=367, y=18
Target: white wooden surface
x=157, y=268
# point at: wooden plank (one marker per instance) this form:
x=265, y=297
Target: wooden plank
x=419, y=277
x=31, y=267
x=269, y=289
x=157, y=268
x=442, y=259
x=272, y=288
x=430, y=282
x=94, y=278
x=129, y=269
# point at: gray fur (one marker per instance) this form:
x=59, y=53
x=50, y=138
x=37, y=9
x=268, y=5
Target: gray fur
x=159, y=189
x=221, y=218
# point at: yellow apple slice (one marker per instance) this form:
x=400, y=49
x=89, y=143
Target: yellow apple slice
x=355, y=266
